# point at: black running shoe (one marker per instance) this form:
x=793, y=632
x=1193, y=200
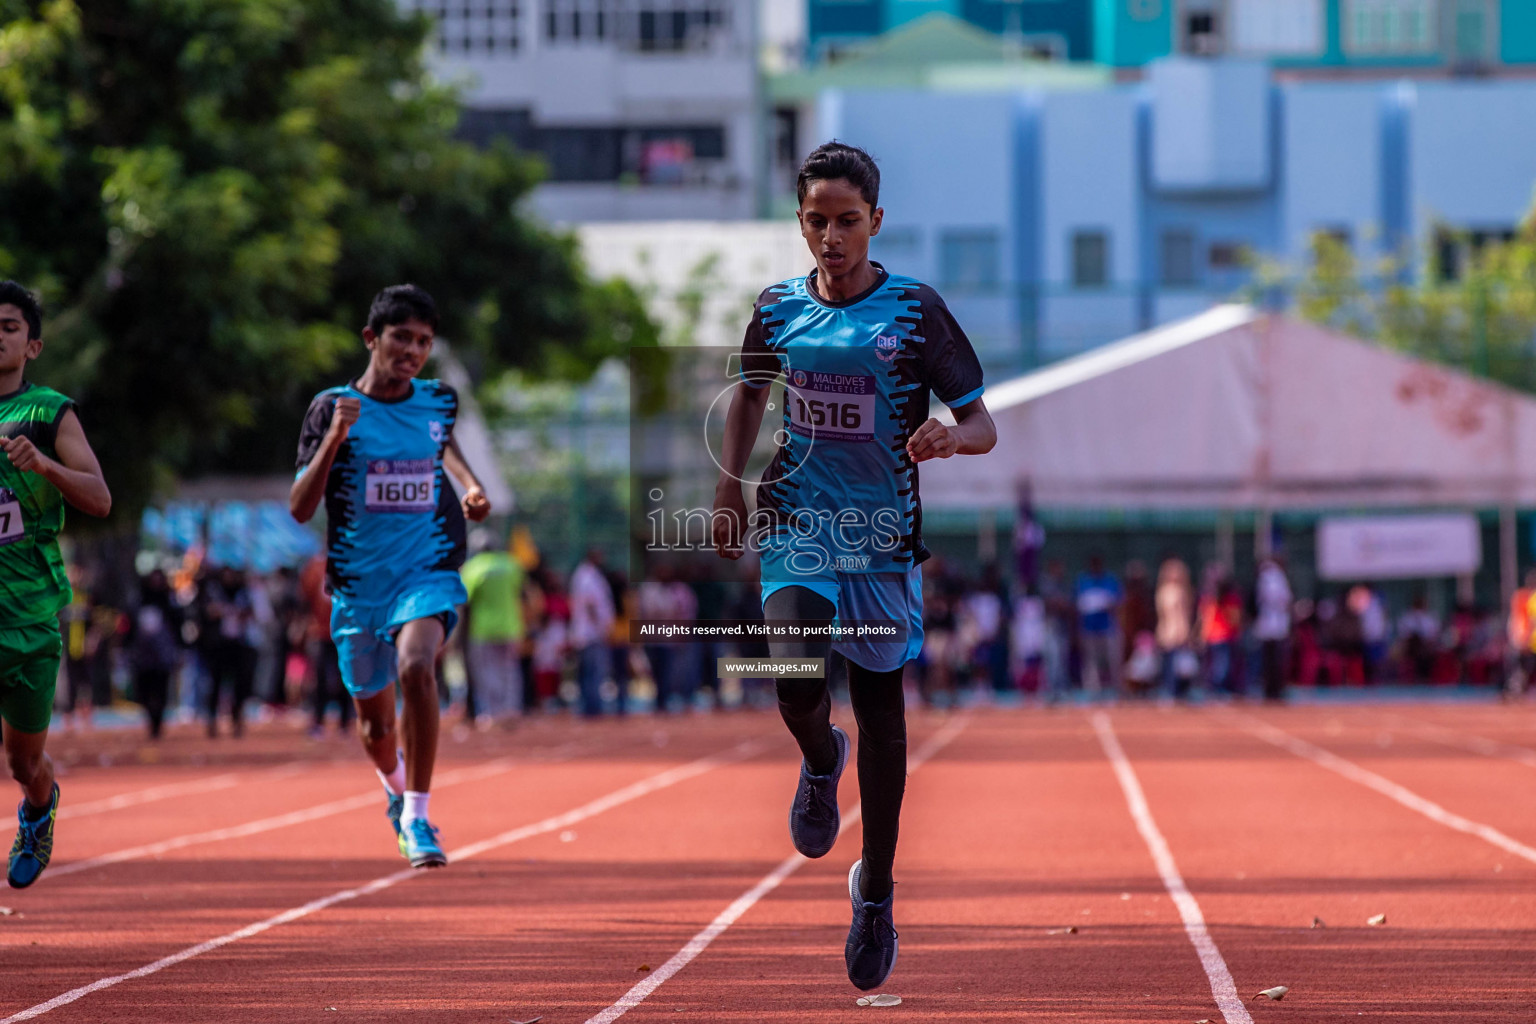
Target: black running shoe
x=871, y=949
x=813, y=817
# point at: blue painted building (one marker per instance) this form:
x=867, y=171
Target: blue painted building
x=1054, y=221
x=1302, y=36
x=1062, y=29
x=1323, y=36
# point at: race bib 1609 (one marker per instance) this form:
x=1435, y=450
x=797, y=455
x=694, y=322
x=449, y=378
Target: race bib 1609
x=400, y=485
x=832, y=406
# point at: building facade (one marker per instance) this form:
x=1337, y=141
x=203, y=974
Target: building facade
x=1061, y=29
x=640, y=109
x=1057, y=221
x=1325, y=37
x=1301, y=36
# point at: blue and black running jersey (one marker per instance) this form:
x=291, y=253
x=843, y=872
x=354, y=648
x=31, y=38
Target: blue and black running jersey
x=857, y=376
x=389, y=508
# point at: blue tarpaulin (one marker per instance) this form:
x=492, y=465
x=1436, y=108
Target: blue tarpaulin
x=259, y=536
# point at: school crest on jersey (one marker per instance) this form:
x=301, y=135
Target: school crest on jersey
x=888, y=346
x=435, y=431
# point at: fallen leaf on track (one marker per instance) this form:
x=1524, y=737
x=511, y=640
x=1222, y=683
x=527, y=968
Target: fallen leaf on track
x=1318, y=922
x=1378, y=919
x=1203, y=1020
x=1069, y=930
x=6, y=911
x=883, y=999
x=642, y=967
x=1277, y=993
x=531, y=1020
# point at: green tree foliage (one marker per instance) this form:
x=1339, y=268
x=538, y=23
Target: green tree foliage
x=1479, y=316
x=209, y=192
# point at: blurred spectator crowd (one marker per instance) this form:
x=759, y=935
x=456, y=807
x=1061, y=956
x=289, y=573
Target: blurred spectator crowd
x=220, y=645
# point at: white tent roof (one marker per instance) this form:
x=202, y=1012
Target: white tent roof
x=1237, y=409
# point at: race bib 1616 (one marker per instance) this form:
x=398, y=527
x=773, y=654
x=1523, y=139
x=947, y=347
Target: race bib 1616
x=831, y=406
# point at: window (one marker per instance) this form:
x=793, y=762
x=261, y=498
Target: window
x=897, y=249
x=574, y=21
x=969, y=259
x=1090, y=259
x=482, y=27
x=1338, y=234
x=1178, y=259
x=1471, y=21
x=1455, y=250
x=1390, y=27
x=1276, y=27
x=656, y=155
x=1202, y=28
x=657, y=26
x=1228, y=255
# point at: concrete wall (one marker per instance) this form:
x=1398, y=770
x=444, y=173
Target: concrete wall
x=1472, y=146
x=603, y=83
x=1330, y=165
x=1090, y=179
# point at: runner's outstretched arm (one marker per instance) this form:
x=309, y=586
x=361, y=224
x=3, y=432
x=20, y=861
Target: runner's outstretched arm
x=742, y=422
x=76, y=473
x=476, y=505
x=974, y=433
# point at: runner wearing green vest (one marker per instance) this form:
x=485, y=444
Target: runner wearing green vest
x=47, y=462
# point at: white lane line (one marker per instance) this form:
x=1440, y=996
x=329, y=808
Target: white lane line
x=145, y=796
x=633, y=791
x=1467, y=741
x=168, y=790
x=251, y=828
x=1223, y=988
x=1385, y=786
x=771, y=881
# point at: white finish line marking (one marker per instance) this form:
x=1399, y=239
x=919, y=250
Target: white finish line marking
x=1223, y=988
x=1385, y=786
x=633, y=791
x=731, y=914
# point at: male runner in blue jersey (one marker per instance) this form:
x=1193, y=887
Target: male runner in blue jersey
x=375, y=450
x=859, y=348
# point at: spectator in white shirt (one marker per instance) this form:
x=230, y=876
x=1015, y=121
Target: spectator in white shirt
x=592, y=615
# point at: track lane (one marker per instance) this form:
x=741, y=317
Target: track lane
x=1269, y=840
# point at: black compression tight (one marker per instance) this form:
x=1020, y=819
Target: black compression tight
x=880, y=710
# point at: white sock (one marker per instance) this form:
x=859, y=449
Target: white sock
x=395, y=780
x=415, y=806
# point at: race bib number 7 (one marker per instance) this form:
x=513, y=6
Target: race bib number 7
x=831, y=406
x=11, y=528
x=400, y=485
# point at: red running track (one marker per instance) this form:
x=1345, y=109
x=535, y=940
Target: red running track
x=256, y=880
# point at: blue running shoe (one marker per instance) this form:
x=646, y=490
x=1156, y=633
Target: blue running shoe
x=813, y=817
x=33, y=848
x=871, y=949
x=421, y=846
x=392, y=810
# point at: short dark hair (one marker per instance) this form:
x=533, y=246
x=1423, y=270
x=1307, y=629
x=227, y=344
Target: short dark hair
x=399, y=303
x=31, y=310
x=835, y=160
